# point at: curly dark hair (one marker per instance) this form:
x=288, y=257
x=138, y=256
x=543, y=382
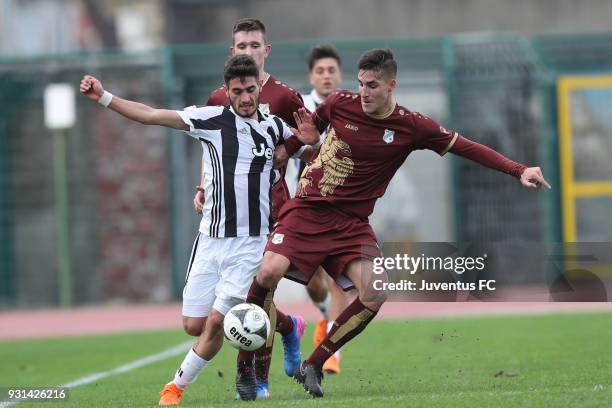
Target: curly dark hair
x=240, y=66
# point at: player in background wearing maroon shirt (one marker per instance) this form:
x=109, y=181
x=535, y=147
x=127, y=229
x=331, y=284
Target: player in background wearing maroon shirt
x=249, y=38
x=327, y=222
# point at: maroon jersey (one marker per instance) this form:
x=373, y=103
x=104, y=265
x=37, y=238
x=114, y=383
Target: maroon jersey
x=280, y=100
x=361, y=154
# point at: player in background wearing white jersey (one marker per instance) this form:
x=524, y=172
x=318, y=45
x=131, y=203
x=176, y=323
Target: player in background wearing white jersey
x=325, y=75
x=240, y=140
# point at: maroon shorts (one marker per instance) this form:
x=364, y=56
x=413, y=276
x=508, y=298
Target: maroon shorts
x=316, y=234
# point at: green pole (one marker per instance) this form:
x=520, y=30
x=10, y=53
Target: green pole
x=60, y=181
x=448, y=59
x=8, y=290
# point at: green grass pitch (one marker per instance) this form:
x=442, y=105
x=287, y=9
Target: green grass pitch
x=534, y=361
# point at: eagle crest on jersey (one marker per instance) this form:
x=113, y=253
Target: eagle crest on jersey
x=335, y=169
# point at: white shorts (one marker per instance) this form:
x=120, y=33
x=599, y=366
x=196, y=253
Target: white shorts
x=220, y=273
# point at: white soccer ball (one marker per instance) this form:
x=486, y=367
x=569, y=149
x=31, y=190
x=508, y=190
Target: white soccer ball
x=246, y=326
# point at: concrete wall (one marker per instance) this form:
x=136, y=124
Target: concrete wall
x=296, y=20
x=49, y=26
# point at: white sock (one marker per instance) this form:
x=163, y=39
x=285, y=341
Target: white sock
x=189, y=370
x=324, y=306
x=330, y=324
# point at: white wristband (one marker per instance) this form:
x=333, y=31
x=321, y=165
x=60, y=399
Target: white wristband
x=105, y=99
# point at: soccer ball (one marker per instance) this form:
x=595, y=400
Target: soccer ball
x=246, y=326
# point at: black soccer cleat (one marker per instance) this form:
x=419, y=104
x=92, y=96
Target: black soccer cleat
x=310, y=377
x=246, y=383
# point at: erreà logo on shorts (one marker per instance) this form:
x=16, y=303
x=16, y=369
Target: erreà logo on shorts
x=278, y=238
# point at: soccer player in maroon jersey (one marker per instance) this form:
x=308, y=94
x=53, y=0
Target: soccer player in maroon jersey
x=327, y=222
x=325, y=75
x=277, y=98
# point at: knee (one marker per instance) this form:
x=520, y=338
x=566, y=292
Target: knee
x=316, y=288
x=214, y=324
x=269, y=275
x=374, y=302
x=193, y=326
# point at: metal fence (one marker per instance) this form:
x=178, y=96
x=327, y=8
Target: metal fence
x=130, y=187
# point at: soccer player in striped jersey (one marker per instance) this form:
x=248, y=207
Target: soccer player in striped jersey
x=249, y=38
x=327, y=222
x=239, y=143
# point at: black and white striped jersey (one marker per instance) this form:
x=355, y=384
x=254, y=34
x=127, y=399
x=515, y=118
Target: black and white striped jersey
x=238, y=172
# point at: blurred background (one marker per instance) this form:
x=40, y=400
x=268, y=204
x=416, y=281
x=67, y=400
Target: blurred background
x=102, y=212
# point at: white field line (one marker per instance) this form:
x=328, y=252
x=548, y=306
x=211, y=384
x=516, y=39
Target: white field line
x=141, y=362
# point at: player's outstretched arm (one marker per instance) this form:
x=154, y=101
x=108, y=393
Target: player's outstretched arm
x=139, y=112
x=530, y=177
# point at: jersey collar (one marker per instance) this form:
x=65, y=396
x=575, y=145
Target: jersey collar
x=315, y=97
x=266, y=79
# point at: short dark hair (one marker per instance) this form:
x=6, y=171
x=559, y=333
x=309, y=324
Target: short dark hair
x=240, y=66
x=320, y=52
x=379, y=59
x=249, y=24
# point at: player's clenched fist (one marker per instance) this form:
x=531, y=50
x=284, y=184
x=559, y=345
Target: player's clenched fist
x=91, y=87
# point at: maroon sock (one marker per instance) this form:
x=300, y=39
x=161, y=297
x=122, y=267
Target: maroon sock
x=245, y=356
x=258, y=295
x=261, y=297
x=263, y=358
x=284, y=324
x=349, y=324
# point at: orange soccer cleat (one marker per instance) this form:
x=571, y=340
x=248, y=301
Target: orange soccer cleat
x=332, y=365
x=170, y=395
x=320, y=332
